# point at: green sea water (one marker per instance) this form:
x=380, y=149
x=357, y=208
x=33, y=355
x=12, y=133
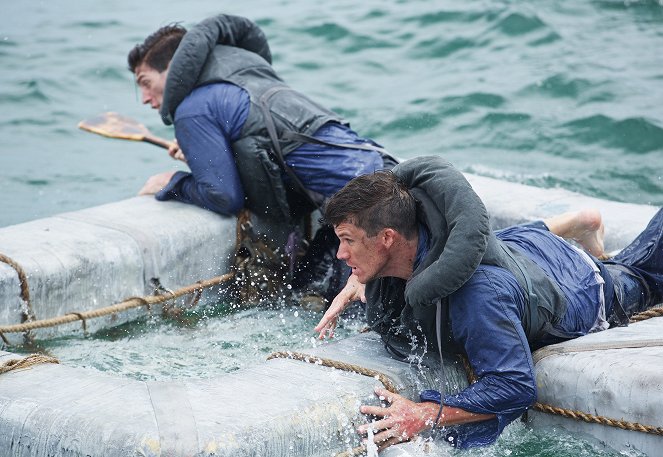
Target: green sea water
x=547, y=93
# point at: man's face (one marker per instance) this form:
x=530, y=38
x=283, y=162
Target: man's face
x=151, y=84
x=366, y=256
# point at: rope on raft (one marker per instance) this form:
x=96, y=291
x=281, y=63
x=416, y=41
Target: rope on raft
x=129, y=303
x=27, y=313
x=26, y=362
x=343, y=366
x=582, y=416
x=652, y=312
x=594, y=419
x=579, y=415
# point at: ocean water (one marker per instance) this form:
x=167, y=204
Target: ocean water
x=552, y=94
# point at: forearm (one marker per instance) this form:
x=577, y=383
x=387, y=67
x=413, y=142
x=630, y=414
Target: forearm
x=214, y=182
x=402, y=418
x=183, y=187
x=451, y=415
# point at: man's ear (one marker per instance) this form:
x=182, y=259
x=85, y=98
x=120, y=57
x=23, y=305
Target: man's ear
x=388, y=237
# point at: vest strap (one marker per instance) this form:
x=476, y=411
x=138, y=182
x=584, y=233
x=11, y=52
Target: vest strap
x=531, y=318
x=314, y=198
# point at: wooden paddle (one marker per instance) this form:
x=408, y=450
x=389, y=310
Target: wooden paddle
x=114, y=125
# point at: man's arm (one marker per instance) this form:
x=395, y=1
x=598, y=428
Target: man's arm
x=486, y=320
x=404, y=419
x=353, y=291
x=214, y=182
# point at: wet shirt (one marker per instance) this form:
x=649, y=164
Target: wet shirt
x=568, y=268
x=486, y=318
x=211, y=118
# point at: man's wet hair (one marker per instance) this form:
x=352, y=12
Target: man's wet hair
x=374, y=202
x=158, y=49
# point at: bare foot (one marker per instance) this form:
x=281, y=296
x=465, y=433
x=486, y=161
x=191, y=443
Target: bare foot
x=585, y=227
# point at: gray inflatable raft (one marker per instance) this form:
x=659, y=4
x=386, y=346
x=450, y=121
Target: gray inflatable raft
x=83, y=260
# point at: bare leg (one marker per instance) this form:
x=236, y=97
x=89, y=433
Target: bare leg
x=585, y=227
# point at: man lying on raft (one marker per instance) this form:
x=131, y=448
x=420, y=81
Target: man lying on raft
x=249, y=139
x=419, y=238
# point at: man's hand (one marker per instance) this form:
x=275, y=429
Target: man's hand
x=175, y=152
x=155, y=183
x=353, y=290
x=400, y=421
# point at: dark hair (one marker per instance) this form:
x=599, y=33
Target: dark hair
x=158, y=49
x=374, y=202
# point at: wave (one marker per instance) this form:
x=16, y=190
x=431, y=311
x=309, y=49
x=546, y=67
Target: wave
x=437, y=48
x=561, y=86
x=635, y=135
x=516, y=24
x=510, y=25
x=115, y=72
x=440, y=17
x=95, y=24
x=24, y=91
x=460, y=104
x=412, y=122
x=332, y=32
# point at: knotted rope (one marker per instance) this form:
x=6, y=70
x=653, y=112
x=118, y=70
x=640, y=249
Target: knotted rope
x=129, y=303
x=26, y=362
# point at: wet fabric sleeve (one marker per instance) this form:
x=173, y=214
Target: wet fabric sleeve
x=563, y=264
x=486, y=321
x=326, y=169
x=206, y=123
x=467, y=223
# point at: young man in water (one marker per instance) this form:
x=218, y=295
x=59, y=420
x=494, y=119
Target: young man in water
x=249, y=140
x=436, y=277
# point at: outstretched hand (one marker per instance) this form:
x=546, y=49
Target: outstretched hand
x=398, y=422
x=353, y=291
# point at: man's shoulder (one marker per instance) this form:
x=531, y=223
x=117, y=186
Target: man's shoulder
x=488, y=277
x=203, y=98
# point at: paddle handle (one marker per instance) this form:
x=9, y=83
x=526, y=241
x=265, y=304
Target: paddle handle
x=157, y=141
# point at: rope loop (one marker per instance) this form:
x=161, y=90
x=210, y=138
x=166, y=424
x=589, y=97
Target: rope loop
x=26, y=362
x=82, y=318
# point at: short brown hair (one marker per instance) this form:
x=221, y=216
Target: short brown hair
x=158, y=49
x=374, y=202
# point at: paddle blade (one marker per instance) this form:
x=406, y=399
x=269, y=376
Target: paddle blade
x=114, y=125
